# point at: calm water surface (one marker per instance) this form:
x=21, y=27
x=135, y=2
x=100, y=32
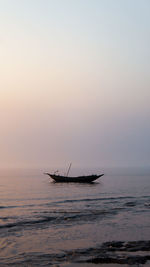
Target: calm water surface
x=39, y=219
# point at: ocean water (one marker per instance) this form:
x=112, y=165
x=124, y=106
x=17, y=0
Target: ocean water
x=43, y=223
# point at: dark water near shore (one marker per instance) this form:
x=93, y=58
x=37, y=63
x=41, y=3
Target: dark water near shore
x=43, y=223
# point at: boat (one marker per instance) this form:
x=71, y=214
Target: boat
x=78, y=179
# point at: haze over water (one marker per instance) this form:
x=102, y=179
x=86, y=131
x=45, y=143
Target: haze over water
x=74, y=87
x=74, y=83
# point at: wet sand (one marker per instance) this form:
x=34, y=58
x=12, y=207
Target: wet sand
x=94, y=265
x=112, y=254
x=89, y=265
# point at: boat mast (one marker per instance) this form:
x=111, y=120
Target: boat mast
x=69, y=169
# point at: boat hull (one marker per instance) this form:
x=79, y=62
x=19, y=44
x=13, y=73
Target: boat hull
x=78, y=179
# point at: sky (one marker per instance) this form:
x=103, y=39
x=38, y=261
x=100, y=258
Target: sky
x=74, y=83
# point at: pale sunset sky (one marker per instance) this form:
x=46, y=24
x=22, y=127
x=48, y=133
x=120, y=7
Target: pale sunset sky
x=74, y=83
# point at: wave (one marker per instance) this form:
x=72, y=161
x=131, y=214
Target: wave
x=61, y=217
x=114, y=252
x=20, y=206
x=8, y=207
x=29, y=222
x=52, y=203
x=131, y=204
x=94, y=199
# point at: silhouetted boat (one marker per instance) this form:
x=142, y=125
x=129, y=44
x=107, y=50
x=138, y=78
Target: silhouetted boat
x=78, y=179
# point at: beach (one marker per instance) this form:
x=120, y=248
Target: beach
x=43, y=222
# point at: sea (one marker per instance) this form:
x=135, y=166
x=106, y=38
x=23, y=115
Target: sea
x=43, y=223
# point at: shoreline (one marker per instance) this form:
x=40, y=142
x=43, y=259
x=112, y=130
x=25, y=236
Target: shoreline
x=110, y=254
